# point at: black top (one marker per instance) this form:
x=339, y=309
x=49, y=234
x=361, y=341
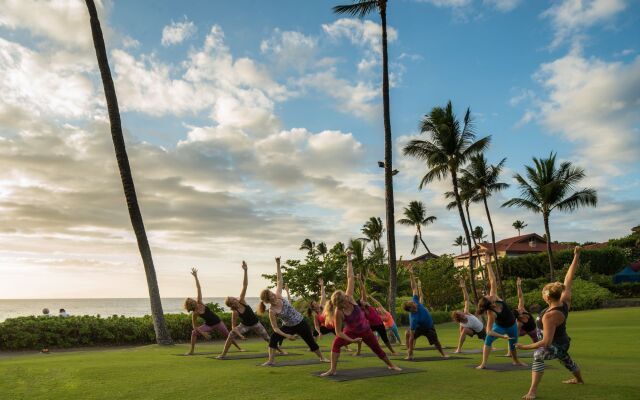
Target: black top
x=528, y=326
x=504, y=318
x=248, y=317
x=560, y=337
x=210, y=318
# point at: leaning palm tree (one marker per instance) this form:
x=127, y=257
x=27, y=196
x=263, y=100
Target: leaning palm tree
x=483, y=177
x=519, y=225
x=415, y=215
x=162, y=334
x=460, y=241
x=548, y=187
x=308, y=245
x=447, y=148
x=361, y=8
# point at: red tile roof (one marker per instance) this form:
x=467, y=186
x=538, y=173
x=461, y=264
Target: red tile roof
x=517, y=244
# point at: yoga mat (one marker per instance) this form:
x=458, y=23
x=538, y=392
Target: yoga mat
x=503, y=367
x=305, y=361
x=470, y=351
x=520, y=355
x=421, y=359
x=344, y=375
x=240, y=356
x=431, y=348
x=199, y=353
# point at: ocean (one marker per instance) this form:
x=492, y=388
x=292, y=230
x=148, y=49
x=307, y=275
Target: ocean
x=103, y=307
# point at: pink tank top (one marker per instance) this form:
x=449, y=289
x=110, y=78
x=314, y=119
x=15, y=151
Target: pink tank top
x=356, y=322
x=372, y=316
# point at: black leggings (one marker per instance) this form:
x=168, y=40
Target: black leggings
x=324, y=330
x=382, y=332
x=302, y=330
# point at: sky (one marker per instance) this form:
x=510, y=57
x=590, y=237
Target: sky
x=253, y=125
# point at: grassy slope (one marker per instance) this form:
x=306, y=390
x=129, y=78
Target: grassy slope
x=604, y=345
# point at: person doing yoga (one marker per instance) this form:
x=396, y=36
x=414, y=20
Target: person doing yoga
x=387, y=319
x=211, y=321
x=420, y=321
x=315, y=311
x=526, y=322
x=553, y=341
x=470, y=325
x=501, y=323
x=375, y=320
x=293, y=322
x=240, y=310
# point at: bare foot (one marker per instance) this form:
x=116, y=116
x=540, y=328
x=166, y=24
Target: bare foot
x=529, y=396
x=325, y=360
x=481, y=366
x=573, y=381
x=456, y=352
x=445, y=356
x=395, y=368
x=520, y=363
x=188, y=354
x=267, y=364
x=221, y=357
x=328, y=373
x=408, y=358
x=241, y=350
x=394, y=354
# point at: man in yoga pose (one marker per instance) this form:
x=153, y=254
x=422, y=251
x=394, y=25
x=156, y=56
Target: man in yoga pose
x=553, y=340
x=501, y=323
x=249, y=322
x=342, y=310
x=387, y=319
x=420, y=321
x=470, y=325
x=293, y=322
x=375, y=320
x=211, y=321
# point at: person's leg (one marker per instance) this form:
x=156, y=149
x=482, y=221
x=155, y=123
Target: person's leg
x=338, y=342
x=235, y=333
x=358, y=350
x=202, y=329
x=486, y=349
x=463, y=336
x=411, y=343
x=407, y=334
x=569, y=364
x=382, y=332
x=537, y=370
x=513, y=339
x=394, y=329
x=273, y=347
x=432, y=336
x=304, y=331
x=221, y=328
x=370, y=340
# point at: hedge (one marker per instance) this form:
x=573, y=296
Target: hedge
x=624, y=290
x=585, y=296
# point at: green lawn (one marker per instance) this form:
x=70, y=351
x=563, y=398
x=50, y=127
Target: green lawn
x=605, y=345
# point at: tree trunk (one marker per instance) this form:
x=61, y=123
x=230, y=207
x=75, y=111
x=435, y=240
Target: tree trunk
x=493, y=243
x=518, y=232
x=162, y=334
x=423, y=243
x=454, y=179
x=475, y=244
x=388, y=167
x=546, y=231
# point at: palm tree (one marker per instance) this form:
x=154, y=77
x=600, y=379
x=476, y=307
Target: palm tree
x=448, y=147
x=358, y=248
x=478, y=234
x=415, y=215
x=322, y=249
x=361, y=8
x=519, y=225
x=483, y=177
x=373, y=230
x=308, y=245
x=162, y=334
x=547, y=187
x=460, y=241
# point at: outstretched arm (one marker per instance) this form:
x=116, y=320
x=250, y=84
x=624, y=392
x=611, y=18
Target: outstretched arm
x=280, y=282
x=520, y=295
x=414, y=285
x=245, y=282
x=351, y=279
x=286, y=289
x=493, y=284
x=465, y=294
x=363, y=290
x=274, y=325
x=420, y=291
x=323, y=296
x=377, y=303
x=194, y=272
x=568, y=279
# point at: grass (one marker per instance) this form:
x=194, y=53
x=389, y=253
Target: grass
x=604, y=345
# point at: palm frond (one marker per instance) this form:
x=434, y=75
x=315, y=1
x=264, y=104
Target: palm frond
x=359, y=8
x=584, y=197
x=523, y=203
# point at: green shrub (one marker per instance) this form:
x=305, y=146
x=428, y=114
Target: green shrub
x=585, y=296
x=624, y=290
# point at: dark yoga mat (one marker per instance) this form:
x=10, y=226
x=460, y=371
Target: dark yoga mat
x=470, y=351
x=344, y=375
x=431, y=348
x=520, y=355
x=305, y=361
x=241, y=356
x=295, y=347
x=199, y=353
x=503, y=367
x=421, y=359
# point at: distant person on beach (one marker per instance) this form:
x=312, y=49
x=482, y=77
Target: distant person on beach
x=63, y=313
x=211, y=321
x=470, y=325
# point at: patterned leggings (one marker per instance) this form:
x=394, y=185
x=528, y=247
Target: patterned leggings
x=550, y=353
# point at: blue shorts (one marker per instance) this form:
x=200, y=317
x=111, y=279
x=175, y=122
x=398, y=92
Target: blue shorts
x=511, y=331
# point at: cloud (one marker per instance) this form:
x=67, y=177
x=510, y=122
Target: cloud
x=503, y=5
x=290, y=49
x=447, y=3
x=178, y=32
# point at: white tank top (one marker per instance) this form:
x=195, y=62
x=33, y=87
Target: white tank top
x=473, y=323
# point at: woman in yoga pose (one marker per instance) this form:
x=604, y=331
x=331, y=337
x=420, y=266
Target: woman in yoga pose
x=387, y=319
x=375, y=320
x=526, y=322
x=553, y=340
x=315, y=312
x=342, y=310
x=501, y=323
x=470, y=324
x=420, y=320
x=249, y=322
x=211, y=321
x=293, y=322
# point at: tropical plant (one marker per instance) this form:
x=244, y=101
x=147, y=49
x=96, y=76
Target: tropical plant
x=548, y=187
x=372, y=231
x=322, y=249
x=459, y=241
x=415, y=215
x=478, y=234
x=448, y=146
x=358, y=247
x=308, y=245
x=519, y=225
x=361, y=8
x=162, y=334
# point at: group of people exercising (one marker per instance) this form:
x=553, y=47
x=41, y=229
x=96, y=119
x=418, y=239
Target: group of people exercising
x=354, y=321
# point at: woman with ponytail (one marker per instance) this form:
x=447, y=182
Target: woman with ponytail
x=342, y=310
x=293, y=322
x=553, y=340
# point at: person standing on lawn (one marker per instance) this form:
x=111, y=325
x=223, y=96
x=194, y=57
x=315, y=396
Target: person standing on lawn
x=470, y=325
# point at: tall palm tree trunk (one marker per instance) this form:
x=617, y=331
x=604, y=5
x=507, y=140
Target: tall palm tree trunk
x=472, y=278
x=475, y=244
x=388, y=168
x=493, y=243
x=423, y=243
x=545, y=215
x=162, y=334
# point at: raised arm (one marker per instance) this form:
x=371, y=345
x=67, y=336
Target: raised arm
x=520, y=294
x=493, y=284
x=194, y=272
x=323, y=296
x=280, y=282
x=377, y=303
x=245, y=282
x=363, y=290
x=568, y=279
x=420, y=291
x=286, y=289
x=351, y=279
x=414, y=285
x=465, y=294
